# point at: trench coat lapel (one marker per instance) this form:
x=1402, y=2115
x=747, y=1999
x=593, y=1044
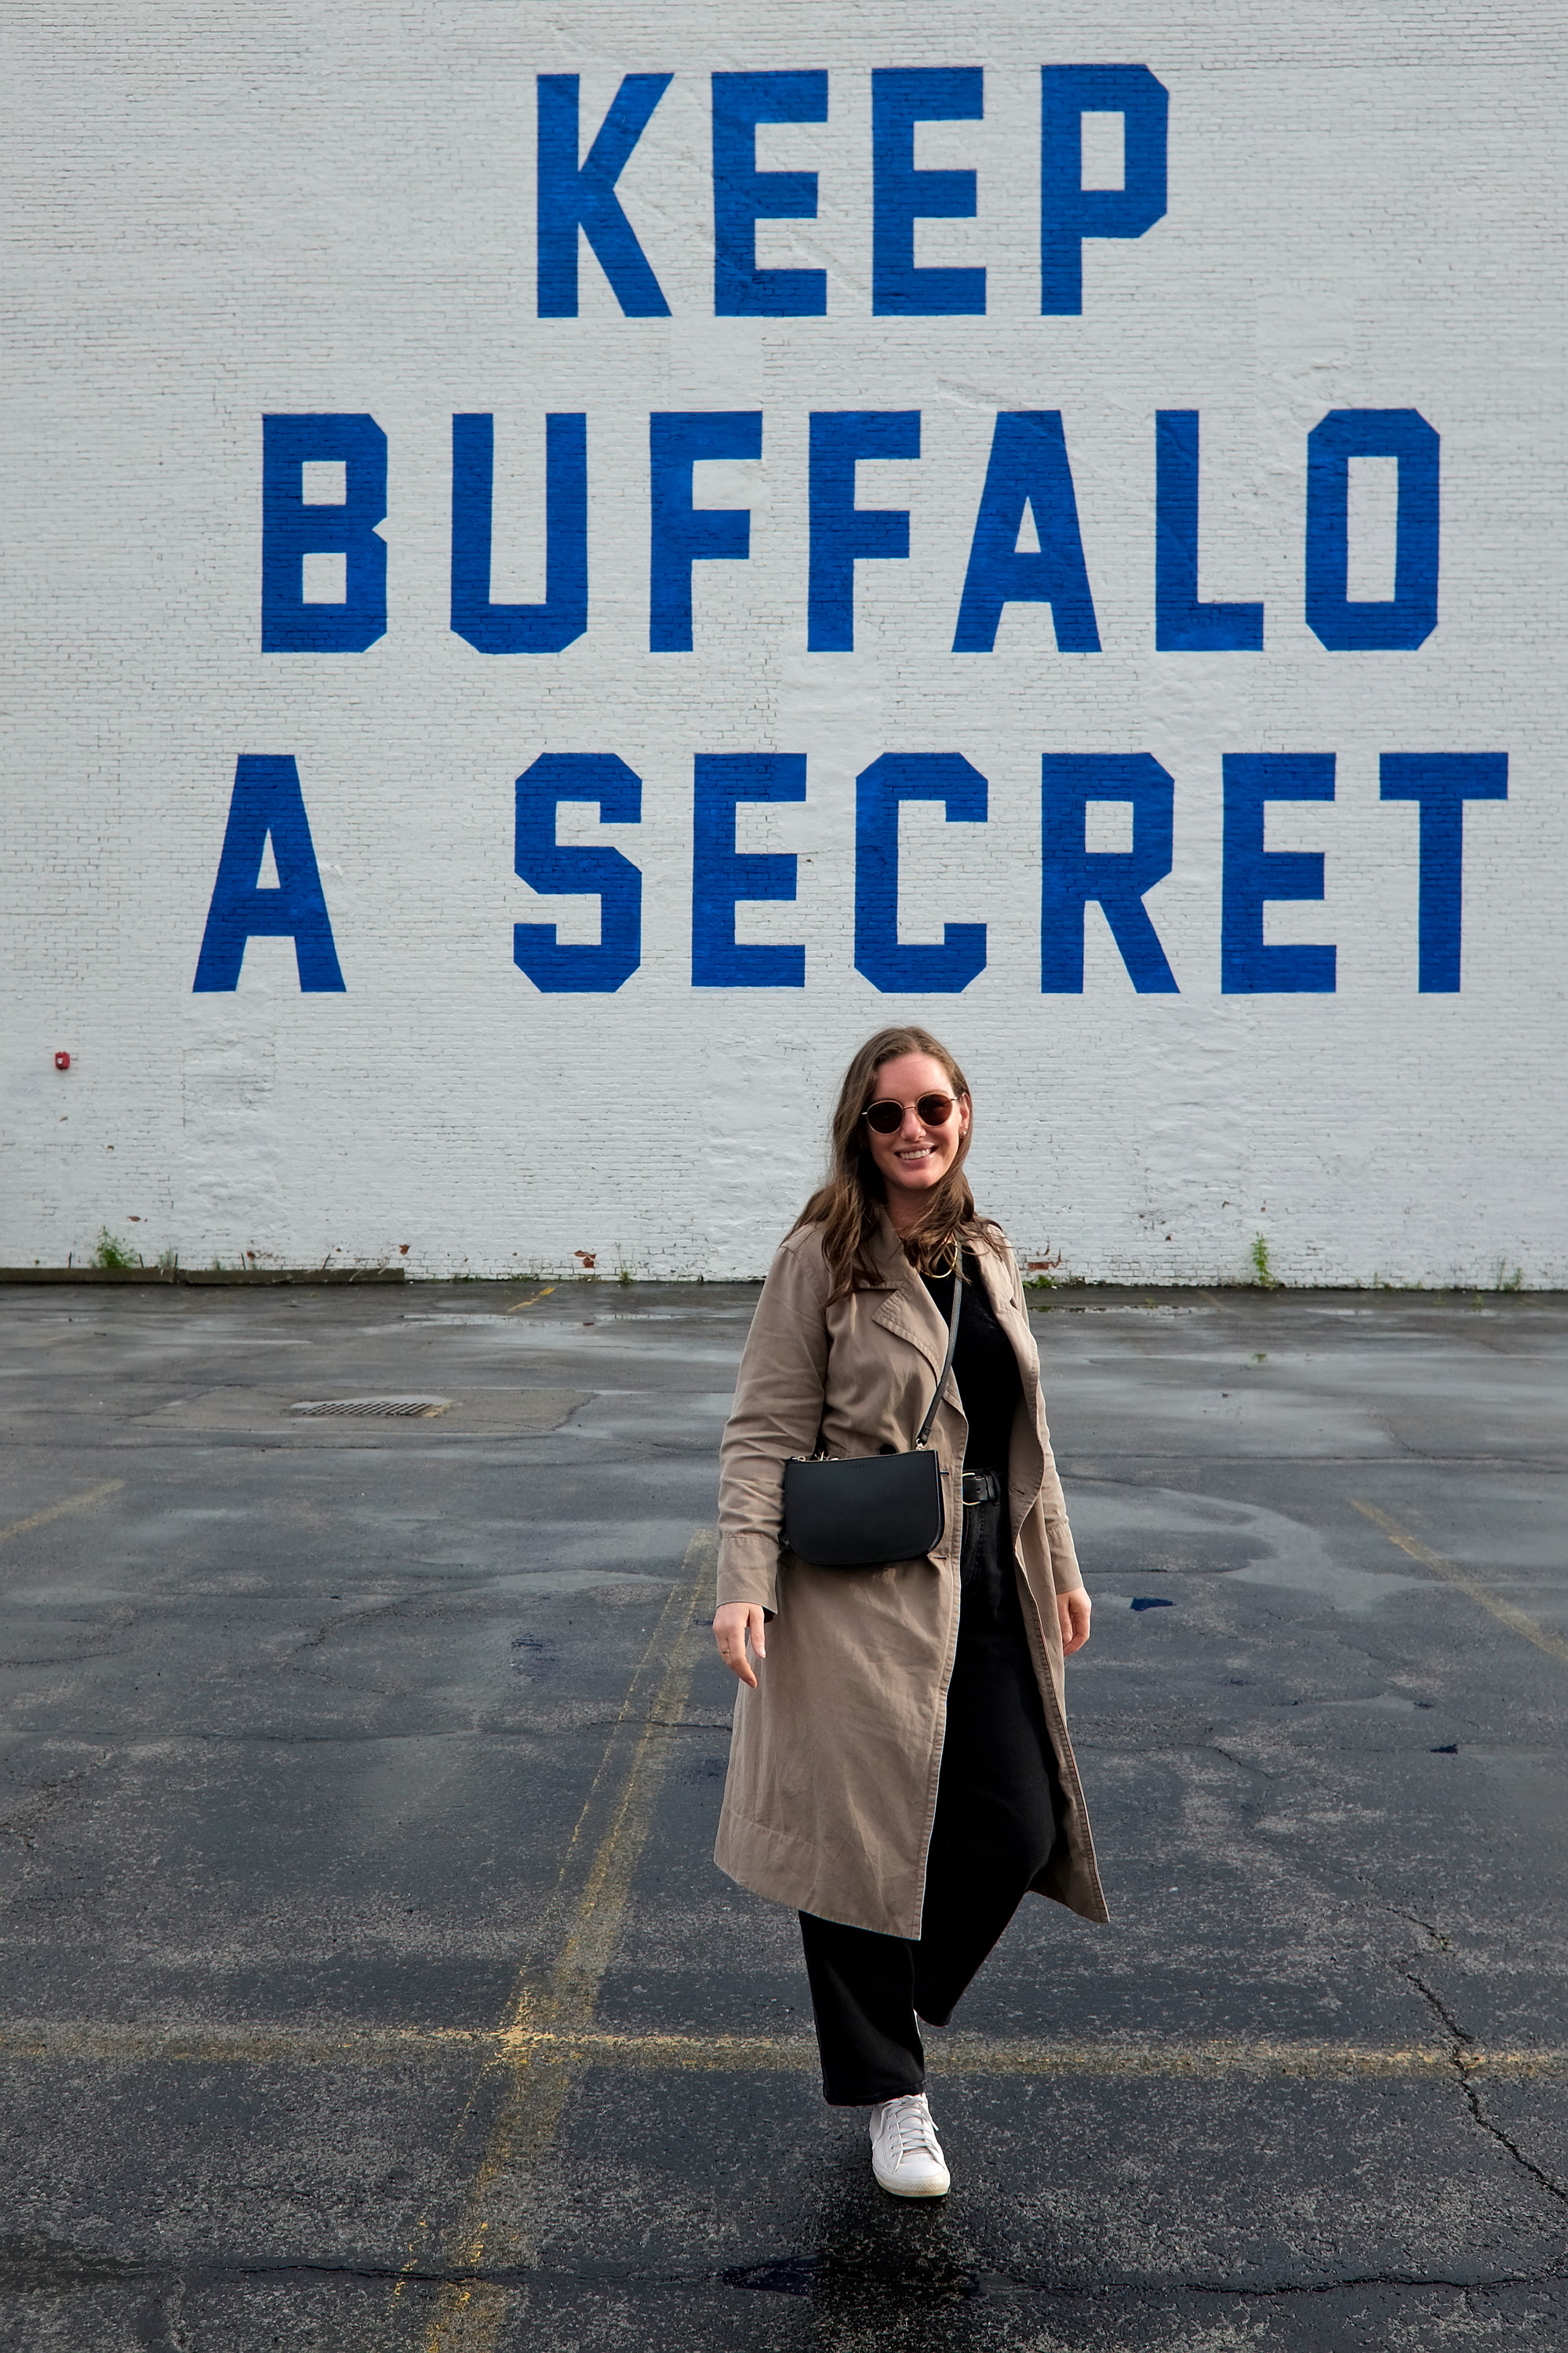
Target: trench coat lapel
x=911, y=1312
x=1012, y=1316
x=908, y=1309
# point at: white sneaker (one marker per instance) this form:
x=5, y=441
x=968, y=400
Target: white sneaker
x=905, y=2155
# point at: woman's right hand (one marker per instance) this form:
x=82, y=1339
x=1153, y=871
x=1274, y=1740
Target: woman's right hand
x=732, y=1625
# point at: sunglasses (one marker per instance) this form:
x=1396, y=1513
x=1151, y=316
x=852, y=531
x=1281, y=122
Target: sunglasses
x=888, y=1117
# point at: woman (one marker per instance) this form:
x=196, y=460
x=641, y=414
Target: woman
x=900, y=1773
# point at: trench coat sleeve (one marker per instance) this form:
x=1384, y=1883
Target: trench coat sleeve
x=777, y=1412
x=1066, y=1574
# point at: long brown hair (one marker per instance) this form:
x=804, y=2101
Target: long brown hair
x=849, y=1206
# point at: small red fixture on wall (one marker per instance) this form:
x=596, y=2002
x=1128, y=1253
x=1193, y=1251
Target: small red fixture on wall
x=62, y=1061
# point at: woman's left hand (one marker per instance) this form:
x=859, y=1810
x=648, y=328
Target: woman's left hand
x=1073, y=1609
x=733, y=1624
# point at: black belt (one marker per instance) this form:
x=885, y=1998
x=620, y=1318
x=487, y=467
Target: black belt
x=981, y=1487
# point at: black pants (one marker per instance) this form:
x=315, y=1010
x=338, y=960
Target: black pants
x=999, y=1814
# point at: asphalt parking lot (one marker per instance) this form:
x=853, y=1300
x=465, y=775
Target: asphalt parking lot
x=366, y=1981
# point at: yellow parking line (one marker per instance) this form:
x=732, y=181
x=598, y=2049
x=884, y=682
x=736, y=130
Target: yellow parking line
x=537, y=2054
x=82, y=1503
x=1516, y=1619
x=953, y=2055
x=974, y=2054
x=516, y=1309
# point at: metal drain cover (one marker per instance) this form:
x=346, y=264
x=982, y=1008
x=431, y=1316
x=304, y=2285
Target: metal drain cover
x=382, y=1408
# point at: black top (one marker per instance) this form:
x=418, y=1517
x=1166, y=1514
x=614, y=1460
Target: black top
x=985, y=1367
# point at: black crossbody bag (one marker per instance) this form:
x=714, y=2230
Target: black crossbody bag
x=863, y=1510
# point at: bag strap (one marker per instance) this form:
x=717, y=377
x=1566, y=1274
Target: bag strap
x=924, y=1432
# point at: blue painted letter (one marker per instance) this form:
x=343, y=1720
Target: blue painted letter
x=581, y=196
x=723, y=875
x=842, y=532
x=1068, y=211
x=291, y=530
x=1028, y=473
x=1410, y=616
x=1254, y=875
x=1070, y=875
x=563, y=616
x=900, y=98
x=682, y=535
x=1442, y=782
x=743, y=195
x=879, y=953
x=546, y=864
x=1183, y=623
x=267, y=800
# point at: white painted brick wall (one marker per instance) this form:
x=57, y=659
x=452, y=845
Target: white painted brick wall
x=217, y=211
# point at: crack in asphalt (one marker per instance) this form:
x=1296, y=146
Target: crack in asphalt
x=1218, y=1748
x=1464, y=2068
x=714, y=1722
x=1440, y=1943
x=45, y=1796
x=25, y=2273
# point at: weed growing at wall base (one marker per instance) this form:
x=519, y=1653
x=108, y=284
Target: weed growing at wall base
x=1260, y=1266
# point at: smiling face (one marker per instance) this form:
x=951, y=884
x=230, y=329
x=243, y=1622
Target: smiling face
x=915, y=1157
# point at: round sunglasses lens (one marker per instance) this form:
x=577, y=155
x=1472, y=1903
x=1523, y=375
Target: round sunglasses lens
x=887, y=1117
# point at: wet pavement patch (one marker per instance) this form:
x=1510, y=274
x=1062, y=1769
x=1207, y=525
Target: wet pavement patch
x=881, y=2280
x=35, y=2262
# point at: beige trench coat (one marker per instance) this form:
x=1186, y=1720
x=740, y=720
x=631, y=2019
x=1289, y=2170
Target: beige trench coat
x=832, y=1786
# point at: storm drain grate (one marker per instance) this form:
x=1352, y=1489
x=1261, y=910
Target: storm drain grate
x=388, y=1409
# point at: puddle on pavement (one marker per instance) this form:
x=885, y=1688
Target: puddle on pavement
x=1127, y=1535
x=882, y=2283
